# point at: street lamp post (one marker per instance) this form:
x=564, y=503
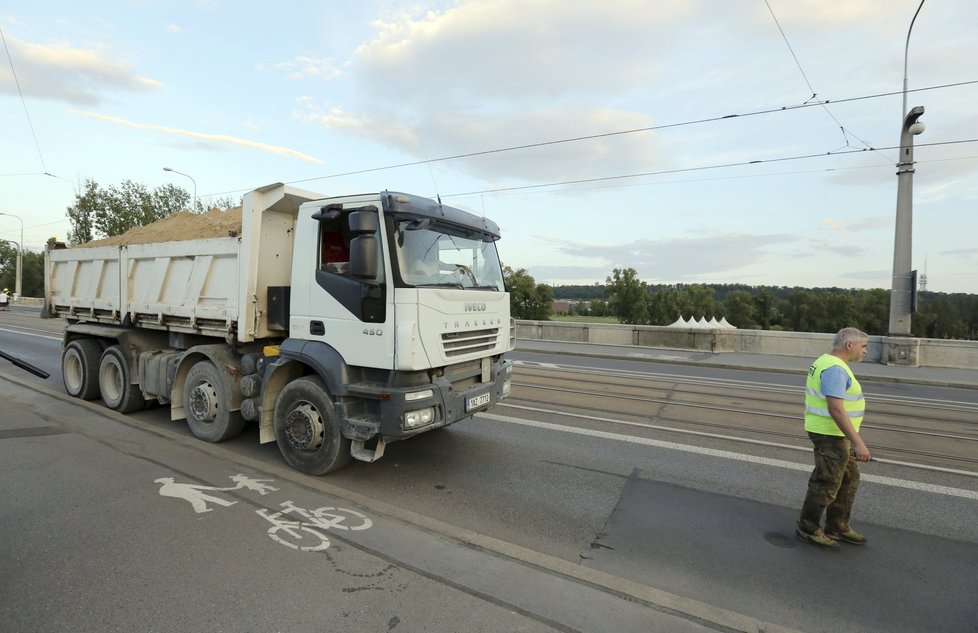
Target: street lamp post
x=20, y=255
x=900, y=297
x=191, y=180
x=900, y=346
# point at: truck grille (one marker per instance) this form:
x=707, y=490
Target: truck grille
x=462, y=343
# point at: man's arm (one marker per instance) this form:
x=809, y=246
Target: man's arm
x=837, y=410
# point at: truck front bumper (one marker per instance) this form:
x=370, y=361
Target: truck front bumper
x=450, y=397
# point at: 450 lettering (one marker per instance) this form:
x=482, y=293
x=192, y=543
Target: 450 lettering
x=373, y=331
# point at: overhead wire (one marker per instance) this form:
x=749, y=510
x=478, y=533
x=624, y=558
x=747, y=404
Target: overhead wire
x=30, y=123
x=692, y=169
x=808, y=83
x=588, y=137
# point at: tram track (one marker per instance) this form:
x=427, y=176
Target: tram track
x=938, y=433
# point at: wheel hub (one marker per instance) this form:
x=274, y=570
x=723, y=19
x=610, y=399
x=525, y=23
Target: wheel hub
x=304, y=428
x=203, y=402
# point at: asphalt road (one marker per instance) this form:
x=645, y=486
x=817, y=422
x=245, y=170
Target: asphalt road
x=706, y=520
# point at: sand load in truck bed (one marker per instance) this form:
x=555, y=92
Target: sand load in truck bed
x=180, y=226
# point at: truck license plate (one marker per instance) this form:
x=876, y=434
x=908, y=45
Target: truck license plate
x=477, y=401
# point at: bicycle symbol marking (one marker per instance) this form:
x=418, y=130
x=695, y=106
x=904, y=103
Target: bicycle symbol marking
x=307, y=534
x=292, y=526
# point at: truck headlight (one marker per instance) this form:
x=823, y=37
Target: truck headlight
x=419, y=417
x=507, y=387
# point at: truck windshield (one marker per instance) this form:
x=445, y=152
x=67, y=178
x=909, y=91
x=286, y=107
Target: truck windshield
x=434, y=255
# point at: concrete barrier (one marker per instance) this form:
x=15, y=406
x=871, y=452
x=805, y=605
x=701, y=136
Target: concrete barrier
x=28, y=301
x=899, y=351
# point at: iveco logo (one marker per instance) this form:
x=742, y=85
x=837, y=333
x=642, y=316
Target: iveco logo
x=475, y=307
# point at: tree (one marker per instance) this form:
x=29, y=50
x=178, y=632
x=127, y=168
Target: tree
x=103, y=212
x=599, y=308
x=794, y=309
x=528, y=300
x=32, y=275
x=840, y=312
x=764, y=308
x=701, y=301
x=873, y=311
x=667, y=304
x=739, y=310
x=628, y=297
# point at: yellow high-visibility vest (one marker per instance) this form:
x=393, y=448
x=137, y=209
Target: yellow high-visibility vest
x=817, y=418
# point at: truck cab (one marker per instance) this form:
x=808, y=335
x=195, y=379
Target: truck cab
x=397, y=304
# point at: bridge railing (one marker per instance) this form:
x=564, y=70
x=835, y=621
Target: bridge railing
x=916, y=352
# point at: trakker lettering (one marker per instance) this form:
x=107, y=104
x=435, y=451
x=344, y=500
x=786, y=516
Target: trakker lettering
x=458, y=325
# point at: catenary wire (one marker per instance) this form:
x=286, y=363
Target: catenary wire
x=606, y=135
x=23, y=101
x=691, y=169
x=808, y=83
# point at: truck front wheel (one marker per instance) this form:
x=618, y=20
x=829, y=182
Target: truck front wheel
x=118, y=392
x=205, y=401
x=306, y=430
x=79, y=368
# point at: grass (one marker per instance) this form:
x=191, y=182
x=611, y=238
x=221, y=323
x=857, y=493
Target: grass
x=583, y=319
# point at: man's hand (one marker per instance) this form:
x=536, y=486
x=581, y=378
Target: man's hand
x=862, y=453
x=838, y=412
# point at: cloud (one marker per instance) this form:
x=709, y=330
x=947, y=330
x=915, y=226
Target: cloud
x=876, y=277
x=61, y=72
x=305, y=67
x=961, y=251
x=569, y=274
x=450, y=133
x=866, y=224
x=215, y=139
x=546, y=48
x=491, y=74
x=685, y=258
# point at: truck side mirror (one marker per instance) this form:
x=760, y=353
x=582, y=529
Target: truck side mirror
x=364, y=246
x=363, y=222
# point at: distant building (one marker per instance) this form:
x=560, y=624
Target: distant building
x=562, y=306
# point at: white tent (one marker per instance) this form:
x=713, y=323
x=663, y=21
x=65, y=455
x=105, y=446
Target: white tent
x=702, y=324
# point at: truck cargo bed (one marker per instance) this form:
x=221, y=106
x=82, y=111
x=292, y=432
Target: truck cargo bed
x=189, y=286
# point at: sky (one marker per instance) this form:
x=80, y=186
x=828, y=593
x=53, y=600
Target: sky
x=696, y=141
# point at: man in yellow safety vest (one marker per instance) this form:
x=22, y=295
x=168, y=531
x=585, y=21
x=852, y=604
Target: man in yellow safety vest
x=834, y=407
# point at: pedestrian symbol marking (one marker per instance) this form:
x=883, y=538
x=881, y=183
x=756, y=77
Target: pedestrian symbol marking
x=194, y=494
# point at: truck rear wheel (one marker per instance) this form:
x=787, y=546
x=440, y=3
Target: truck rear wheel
x=118, y=392
x=205, y=401
x=306, y=430
x=79, y=368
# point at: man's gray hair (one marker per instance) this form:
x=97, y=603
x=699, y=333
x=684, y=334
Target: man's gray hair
x=848, y=335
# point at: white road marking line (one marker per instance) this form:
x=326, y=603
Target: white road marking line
x=29, y=332
x=731, y=438
x=712, y=452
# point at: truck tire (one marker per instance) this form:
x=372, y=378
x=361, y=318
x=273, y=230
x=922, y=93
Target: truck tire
x=79, y=368
x=118, y=392
x=306, y=430
x=205, y=401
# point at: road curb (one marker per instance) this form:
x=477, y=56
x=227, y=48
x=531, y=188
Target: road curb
x=629, y=590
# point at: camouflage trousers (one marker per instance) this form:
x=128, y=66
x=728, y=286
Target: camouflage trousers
x=832, y=486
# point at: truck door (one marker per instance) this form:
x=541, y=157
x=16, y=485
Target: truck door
x=349, y=306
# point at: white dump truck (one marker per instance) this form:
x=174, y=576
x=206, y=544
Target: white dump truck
x=338, y=324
